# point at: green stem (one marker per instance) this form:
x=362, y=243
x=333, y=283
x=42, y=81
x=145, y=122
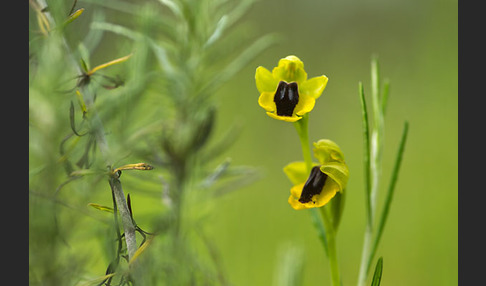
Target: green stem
x=331, y=245
x=302, y=129
x=365, y=254
x=326, y=229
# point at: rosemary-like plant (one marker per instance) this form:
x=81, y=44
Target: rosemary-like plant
x=159, y=109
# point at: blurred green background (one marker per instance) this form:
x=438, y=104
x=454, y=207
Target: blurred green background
x=416, y=44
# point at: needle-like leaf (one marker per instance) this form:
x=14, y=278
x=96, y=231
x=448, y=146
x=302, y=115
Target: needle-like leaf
x=378, y=272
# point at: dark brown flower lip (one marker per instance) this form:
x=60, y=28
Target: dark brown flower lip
x=286, y=98
x=314, y=185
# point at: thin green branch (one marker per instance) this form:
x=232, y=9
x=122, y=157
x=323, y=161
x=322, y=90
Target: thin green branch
x=389, y=194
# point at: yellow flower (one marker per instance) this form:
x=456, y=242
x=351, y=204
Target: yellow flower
x=324, y=181
x=286, y=93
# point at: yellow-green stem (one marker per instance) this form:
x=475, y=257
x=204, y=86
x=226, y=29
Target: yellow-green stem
x=302, y=129
x=331, y=245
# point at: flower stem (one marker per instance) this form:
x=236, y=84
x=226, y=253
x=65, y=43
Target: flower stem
x=326, y=229
x=302, y=129
x=331, y=245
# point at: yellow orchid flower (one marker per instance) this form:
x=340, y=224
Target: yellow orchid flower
x=286, y=93
x=326, y=179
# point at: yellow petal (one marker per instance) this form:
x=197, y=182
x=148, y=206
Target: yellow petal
x=265, y=82
x=292, y=118
x=305, y=105
x=338, y=172
x=332, y=162
x=296, y=191
x=314, y=86
x=290, y=69
x=295, y=204
x=266, y=101
x=328, y=192
x=326, y=151
x=296, y=172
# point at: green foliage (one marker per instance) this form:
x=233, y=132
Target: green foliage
x=373, y=149
x=152, y=101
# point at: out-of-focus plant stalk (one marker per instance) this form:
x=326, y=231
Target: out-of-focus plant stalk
x=97, y=126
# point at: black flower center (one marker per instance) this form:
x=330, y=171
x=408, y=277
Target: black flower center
x=313, y=186
x=286, y=98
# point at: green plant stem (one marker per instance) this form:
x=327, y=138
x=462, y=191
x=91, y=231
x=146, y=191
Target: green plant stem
x=326, y=229
x=365, y=254
x=302, y=129
x=376, y=135
x=389, y=197
x=128, y=227
x=373, y=166
x=331, y=245
x=368, y=189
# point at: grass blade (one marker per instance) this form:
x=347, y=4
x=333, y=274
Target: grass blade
x=384, y=99
x=389, y=195
x=378, y=272
x=366, y=157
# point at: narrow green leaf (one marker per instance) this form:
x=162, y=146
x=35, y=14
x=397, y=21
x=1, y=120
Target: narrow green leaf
x=98, y=280
x=129, y=204
x=162, y=56
x=71, y=119
x=375, y=83
x=218, y=31
x=84, y=65
x=240, y=62
x=216, y=174
x=234, y=178
x=173, y=7
x=117, y=29
x=73, y=6
x=384, y=99
x=389, y=194
x=366, y=156
x=83, y=172
x=378, y=272
x=93, y=37
x=321, y=230
x=240, y=10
